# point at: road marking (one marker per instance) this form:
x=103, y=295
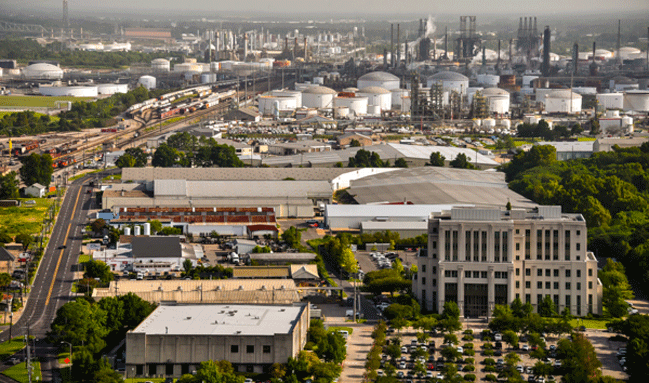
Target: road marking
x=65, y=240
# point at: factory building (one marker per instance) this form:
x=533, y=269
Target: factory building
x=483, y=257
x=637, y=101
x=379, y=79
x=345, y=217
x=175, y=339
x=571, y=150
x=610, y=100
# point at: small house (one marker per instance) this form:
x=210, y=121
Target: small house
x=36, y=190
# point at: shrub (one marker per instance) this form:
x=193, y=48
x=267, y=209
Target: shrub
x=487, y=346
x=490, y=369
x=490, y=378
x=469, y=367
x=469, y=352
x=467, y=337
x=486, y=338
x=469, y=361
x=469, y=332
x=469, y=377
x=489, y=361
x=468, y=345
x=309, y=345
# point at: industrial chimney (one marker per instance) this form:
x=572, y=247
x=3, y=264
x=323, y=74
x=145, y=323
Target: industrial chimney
x=545, y=68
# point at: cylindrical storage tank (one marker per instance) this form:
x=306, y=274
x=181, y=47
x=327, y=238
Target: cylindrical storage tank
x=505, y=123
x=450, y=81
x=148, y=82
x=188, y=67
x=319, y=97
x=397, y=95
x=289, y=93
x=405, y=104
x=534, y=120
x=563, y=101
x=192, y=75
x=72, y=91
x=497, y=99
x=318, y=80
x=147, y=228
x=350, y=90
x=112, y=88
x=489, y=123
x=160, y=65
x=612, y=113
x=636, y=100
x=215, y=66
x=137, y=230
x=356, y=105
x=471, y=92
x=42, y=71
x=477, y=122
x=489, y=80
x=268, y=105
x=380, y=97
x=373, y=110
x=208, y=78
x=127, y=230
x=341, y=111
x=380, y=79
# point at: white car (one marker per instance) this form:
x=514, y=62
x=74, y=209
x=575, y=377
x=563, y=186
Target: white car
x=402, y=365
x=440, y=375
x=525, y=347
x=498, y=337
x=519, y=368
x=429, y=374
x=460, y=350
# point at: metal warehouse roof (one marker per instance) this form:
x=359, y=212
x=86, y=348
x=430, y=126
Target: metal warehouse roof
x=241, y=189
x=373, y=211
x=435, y=174
x=229, y=320
x=571, y=146
x=231, y=174
x=397, y=225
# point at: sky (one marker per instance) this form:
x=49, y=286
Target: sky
x=212, y=8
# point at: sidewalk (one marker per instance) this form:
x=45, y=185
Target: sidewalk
x=359, y=344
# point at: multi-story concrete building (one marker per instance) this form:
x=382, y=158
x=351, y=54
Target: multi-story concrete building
x=483, y=257
x=175, y=339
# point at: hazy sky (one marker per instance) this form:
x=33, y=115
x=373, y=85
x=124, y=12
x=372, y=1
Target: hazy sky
x=211, y=8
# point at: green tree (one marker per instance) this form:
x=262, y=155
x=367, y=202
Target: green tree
x=547, y=308
x=80, y=322
x=461, y=162
x=579, y=359
x=217, y=372
x=114, y=309
x=165, y=156
x=9, y=186
x=366, y=159
x=24, y=239
x=5, y=280
x=126, y=161
x=97, y=269
x=450, y=318
x=156, y=226
x=436, y=159
x=292, y=236
x=37, y=168
x=106, y=374
x=333, y=349
x=400, y=163
x=98, y=226
x=355, y=143
x=511, y=338
x=542, y=369
x=136, y=310
x=188, y=266
x=616, y=288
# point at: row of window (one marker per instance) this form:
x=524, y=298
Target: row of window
x=555, y=285
x=471, y=274
x=250, y=349
x=539, y=272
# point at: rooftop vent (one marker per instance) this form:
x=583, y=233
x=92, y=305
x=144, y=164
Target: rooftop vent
x=188, y=318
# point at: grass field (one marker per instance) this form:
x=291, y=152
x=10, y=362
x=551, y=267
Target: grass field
x=590, y=323
x=84, y=258
x=26, y=218
x=35, y=101
x=10, y=347
x=586, y=139
x=339, y=328
x=19, y=372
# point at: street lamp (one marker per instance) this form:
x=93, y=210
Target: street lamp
x=69, y=344
x=11, y=323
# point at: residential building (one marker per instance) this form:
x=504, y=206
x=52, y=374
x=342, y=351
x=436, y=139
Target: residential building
x=483, y=257
x=36, y=190
x=175, y=339
x=7, y=261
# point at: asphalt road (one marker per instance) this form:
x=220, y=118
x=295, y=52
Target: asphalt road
x=53, y=283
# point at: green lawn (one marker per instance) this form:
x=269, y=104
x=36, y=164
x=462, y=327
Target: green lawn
x=84, y=258
x=19, y=372
x=10, y=347
x=26, y=218
x=35, y=101
x=590, y=323
x=341, y=328
x=586, y=139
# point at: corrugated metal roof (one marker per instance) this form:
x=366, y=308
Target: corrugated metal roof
x=261, y=272
x=398, y=225
x=372, y=211
x=304, y=272
x=572, y=146
x=231, y=174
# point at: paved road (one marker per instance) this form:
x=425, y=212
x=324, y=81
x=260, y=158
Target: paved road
x=53, y=282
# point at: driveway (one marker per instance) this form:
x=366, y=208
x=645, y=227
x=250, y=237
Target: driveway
x=359, y=344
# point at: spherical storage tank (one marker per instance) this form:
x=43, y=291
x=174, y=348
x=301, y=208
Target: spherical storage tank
x=160, y=65
x=112, y=88
x=563, y=101
x=289, y=93
x=380, y=97
x=268, y=105
x=498, y=100
x=72, y=91
x=450, y=81
x=148, y=82
x=42, y=71
x=318, y=97
x=636, y=100
x=380, y=79
x=355, y=105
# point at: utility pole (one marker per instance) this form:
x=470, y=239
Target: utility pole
x=28, y=359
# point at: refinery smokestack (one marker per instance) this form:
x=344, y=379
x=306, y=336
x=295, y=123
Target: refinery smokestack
x=545, y=69
x=398, y=47
x=391, y=45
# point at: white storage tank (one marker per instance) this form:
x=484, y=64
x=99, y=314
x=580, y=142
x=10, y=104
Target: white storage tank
x=488, y=80
x=72, y=91
x=380, y=79
x=318, y=96
x=356, y=105
x=611, y=100
x=318, y=80
x=188, y=67
x=373, y=110
x=497, y=99
x=488, y=123
x=627, y=124
x=397, y=96
x=563, y=101
x=505, y=123
x=450, y=81
x=137, y=230
x=289, y=93
x=477, y=122
x=341, y=111
x=636, y=100
x=147, y=228
x=268, y=105
x=148, y=82
x=160, y=65
x=42, y=71
x=112, y=88
x=127, y=230
x=380, y=97
x=208, y=78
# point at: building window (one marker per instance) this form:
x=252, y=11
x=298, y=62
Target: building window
x=518, y=231
x=234, y=348
x=578, y=232
x=539, y=272
x=434, y=270
x=539, y=285
x=250, y=349
x=483, y=274
x=528, y=272
x=567, y=273
x=528, y=284
x=528, y=298
x=476, y=274
x=547, y=285
x=578, y=285
x=497, y=274
x=434, y=230
x=266, y=349
x=556, y=272
x=547, y=272
x=423, y=281
x=590, y=272
x=434, y=244
x=590, y=285
x=434, y=255
x=556, y=285
x=518, y=247
x=539, y=298
x=568, y=302
x=578, y=246
x=423, y=268
x=467, y=274
x=567, y=285
x=434, y=282
x=518, y=272
x=578, y=273
x=518, y=284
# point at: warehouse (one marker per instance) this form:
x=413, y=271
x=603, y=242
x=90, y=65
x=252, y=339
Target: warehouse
x=344, y=217
x=174, y=339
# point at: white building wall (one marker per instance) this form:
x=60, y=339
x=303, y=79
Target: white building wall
x=611, y=100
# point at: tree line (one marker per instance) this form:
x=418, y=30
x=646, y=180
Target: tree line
x=186, y=150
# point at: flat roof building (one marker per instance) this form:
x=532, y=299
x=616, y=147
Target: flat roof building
x=483, y=257
x=175, y=339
